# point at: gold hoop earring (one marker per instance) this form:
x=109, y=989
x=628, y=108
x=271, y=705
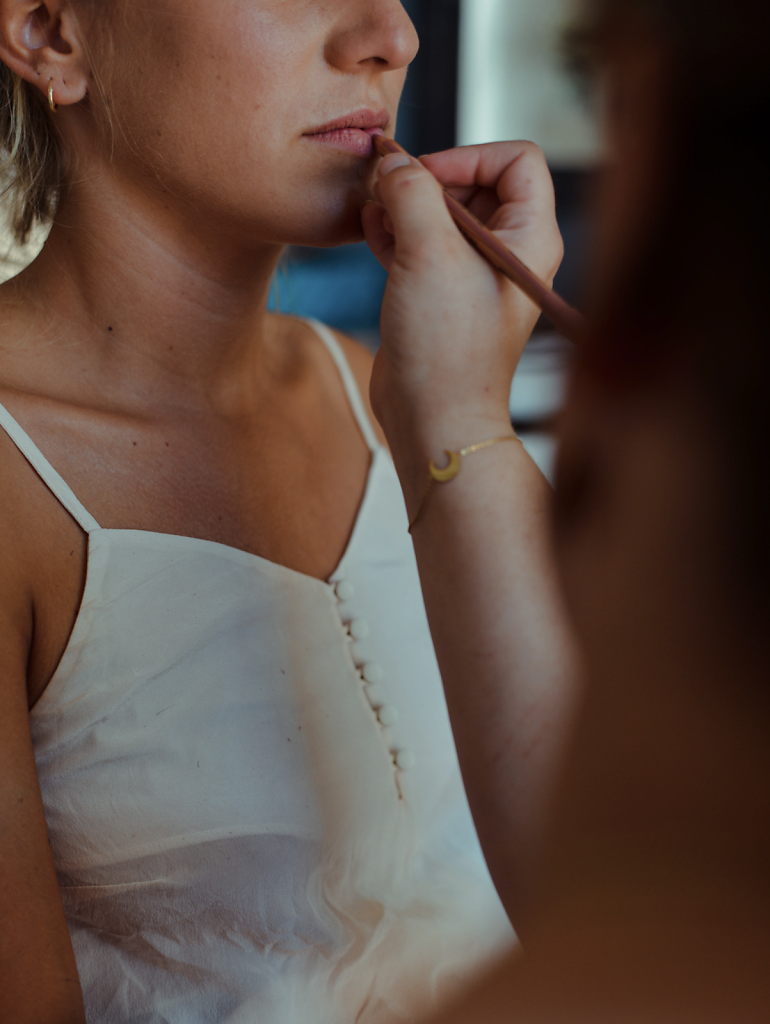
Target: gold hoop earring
x=54, y=106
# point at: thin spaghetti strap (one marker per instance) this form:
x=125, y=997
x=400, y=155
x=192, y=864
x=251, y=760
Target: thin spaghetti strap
x=349, y=382
x=46, y=472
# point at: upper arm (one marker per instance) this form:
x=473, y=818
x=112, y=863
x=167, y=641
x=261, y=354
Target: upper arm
x=38, y=974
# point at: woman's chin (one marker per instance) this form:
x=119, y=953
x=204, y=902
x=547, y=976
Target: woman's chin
x=346, y=234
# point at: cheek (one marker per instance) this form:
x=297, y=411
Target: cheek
x=580, y=503
x=601, y=530
x=582, y=522
x=636, y=532
x=213, y=109
x=196, y=79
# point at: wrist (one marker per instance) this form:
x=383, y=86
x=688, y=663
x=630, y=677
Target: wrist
x=414, y=445
x=426, y=437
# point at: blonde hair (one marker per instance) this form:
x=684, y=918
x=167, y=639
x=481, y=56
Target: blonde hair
x=31, y=156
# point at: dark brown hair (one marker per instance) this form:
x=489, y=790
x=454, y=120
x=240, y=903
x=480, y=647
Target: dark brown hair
x=694, y=298
x=31, y=164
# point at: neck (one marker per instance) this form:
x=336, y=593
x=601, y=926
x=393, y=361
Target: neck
x=159, y=295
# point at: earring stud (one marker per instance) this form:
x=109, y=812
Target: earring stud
x=54, y=106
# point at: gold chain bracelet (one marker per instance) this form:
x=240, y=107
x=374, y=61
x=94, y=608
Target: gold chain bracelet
x=450, y=471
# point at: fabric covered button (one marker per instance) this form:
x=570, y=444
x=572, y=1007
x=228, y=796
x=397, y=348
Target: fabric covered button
x=387, y=715
x=359, y=629
x=372, y=672
x=345, y=590
x=405, y=760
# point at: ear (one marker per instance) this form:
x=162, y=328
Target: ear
x=41, y=42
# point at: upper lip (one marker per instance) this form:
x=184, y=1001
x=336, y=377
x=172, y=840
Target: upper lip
x=363, y=119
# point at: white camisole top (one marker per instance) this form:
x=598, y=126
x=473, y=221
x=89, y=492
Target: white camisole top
x=251, y=787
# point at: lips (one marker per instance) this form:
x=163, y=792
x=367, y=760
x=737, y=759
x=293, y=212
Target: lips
x=352, y=132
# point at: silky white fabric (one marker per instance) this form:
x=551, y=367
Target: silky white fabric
x=233, y=837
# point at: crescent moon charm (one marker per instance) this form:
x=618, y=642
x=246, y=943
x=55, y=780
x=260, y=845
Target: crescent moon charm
x=449, y=472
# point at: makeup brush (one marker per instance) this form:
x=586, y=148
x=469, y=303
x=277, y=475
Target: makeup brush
x=568, y=321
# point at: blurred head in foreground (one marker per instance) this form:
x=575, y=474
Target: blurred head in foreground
x=656, y=896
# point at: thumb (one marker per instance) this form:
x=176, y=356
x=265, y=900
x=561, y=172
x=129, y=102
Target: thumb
x=414, y=203
x=378, y=234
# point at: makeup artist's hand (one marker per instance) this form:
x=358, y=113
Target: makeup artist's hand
x=452, y=332
x=453, y=328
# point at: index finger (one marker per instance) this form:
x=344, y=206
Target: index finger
x=517, y=171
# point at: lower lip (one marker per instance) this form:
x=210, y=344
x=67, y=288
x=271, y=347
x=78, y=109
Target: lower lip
x=353, y=140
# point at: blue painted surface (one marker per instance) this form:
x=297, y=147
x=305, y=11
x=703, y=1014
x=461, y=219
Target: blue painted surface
x=343, y=287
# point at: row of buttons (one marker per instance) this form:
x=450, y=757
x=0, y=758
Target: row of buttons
x=372, y=675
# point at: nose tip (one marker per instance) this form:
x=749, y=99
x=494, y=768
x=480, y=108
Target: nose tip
x=383, y=34
x=408, y=41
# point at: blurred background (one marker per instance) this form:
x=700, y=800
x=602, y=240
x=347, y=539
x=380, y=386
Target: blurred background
x=487, y=70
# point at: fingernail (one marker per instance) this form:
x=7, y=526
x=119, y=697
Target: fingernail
x=391, y=163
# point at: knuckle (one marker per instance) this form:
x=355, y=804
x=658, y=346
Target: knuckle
x=404, y=181
x=417, y=176
x=532, y=151
x=435, y=251
x=406, y=175
x=425, y=251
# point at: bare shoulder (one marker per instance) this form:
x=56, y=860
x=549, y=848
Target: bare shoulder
x=38, y=972
x=38, y=975
x=292, y=330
